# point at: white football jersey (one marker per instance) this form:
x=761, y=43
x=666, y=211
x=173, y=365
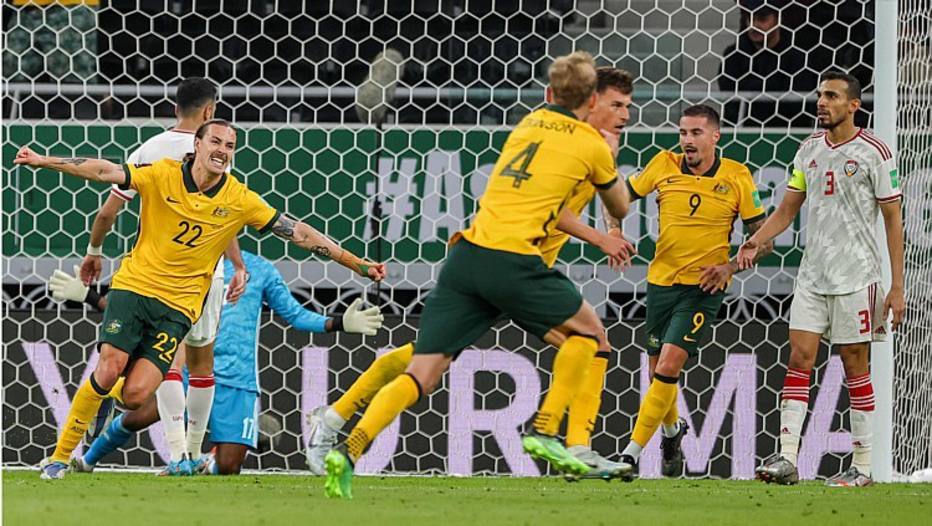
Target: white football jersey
x=169, y=144
x=843, y=184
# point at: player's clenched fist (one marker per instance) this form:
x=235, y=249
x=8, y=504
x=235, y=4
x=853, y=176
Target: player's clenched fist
x=372, y=270
x=27, y=156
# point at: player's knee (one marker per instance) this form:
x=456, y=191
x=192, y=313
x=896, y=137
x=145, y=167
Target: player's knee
x=107, y=372
x=228, y=466
x=854, y=358
x=671, y=361
x=801, y=358
x=134, y=396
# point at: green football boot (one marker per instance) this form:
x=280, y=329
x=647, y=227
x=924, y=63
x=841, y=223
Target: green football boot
x=339, y=481
x=551, y=450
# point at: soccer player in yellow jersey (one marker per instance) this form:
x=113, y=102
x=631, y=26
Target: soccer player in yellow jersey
x=699, y=196
x=190, y=212
x=495, y=268
x=610, y=114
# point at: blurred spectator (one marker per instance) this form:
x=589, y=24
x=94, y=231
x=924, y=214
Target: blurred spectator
x=51, y=40
x=765, y=60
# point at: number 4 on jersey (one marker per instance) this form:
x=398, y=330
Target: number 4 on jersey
x=520, y=173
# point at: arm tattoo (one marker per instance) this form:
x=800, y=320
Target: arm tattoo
x=321, y=251
x=284, y=227
x=77, y=161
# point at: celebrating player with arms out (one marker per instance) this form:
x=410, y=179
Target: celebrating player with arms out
x=699, y=195
x=610, y=114
x=234, y=417
x=848, y=176
x=195, y=103
x=190, y=212
x=495, y=267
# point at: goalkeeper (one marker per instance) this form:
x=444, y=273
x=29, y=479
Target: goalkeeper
x=234, y=417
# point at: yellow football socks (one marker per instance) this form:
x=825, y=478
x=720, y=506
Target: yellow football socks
x=584, y=409
x=383, y=370
x=116, y=392
x=656, y=405
x=400, y=394
x=83, y=408
x=569, y=372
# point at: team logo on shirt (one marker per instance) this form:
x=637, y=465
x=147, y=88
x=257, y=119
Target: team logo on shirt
x=851, y=167
x=812, y=164
x=221, y=212
x=114, y=327
x=721, y=188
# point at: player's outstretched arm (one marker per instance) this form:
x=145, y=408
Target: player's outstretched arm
x=716, y=277
x=305, y=236
x=65, y=287
x=893, y=224
x=354, y=320
x=616, y=247
x=91, y=169
x=779, y=221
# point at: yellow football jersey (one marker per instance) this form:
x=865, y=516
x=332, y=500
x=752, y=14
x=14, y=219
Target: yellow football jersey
x=550, y=247
x=696, y=214
x=183, y=232
x=545, y=158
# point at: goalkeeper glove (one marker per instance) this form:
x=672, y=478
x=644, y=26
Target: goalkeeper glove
x=366, y=321
x=65, y=287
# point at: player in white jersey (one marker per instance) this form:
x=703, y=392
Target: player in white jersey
x=848, y=176
x=195, y=102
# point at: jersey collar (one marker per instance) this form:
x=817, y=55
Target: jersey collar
x=710, y=173
x=191, y=186
x=561, y=110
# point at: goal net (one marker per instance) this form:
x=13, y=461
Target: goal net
x=97, y=80
x=912, y=437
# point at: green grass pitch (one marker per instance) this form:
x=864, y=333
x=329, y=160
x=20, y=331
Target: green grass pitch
x=137, y=499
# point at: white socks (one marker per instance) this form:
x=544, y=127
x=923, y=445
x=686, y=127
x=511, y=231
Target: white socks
x=200, y=400
x=861, y=437
x=671, y=430
x=170, y=398
x=333, y=419
x=633, y=449
x=792, y=416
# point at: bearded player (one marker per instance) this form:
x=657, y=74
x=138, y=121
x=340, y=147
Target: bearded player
x=849, y=177
x=190, y=212
x=699, y=195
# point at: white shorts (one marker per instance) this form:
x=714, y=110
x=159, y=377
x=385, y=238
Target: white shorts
x=848, y=318
x=204, y=331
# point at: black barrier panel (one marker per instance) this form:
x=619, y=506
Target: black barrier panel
x=731, y=396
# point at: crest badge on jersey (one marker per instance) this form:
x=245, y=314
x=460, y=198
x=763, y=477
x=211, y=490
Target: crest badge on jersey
x=851, y=167
x=114, y=327
x=721, y=188
x=221, y=212
x=812, y=164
